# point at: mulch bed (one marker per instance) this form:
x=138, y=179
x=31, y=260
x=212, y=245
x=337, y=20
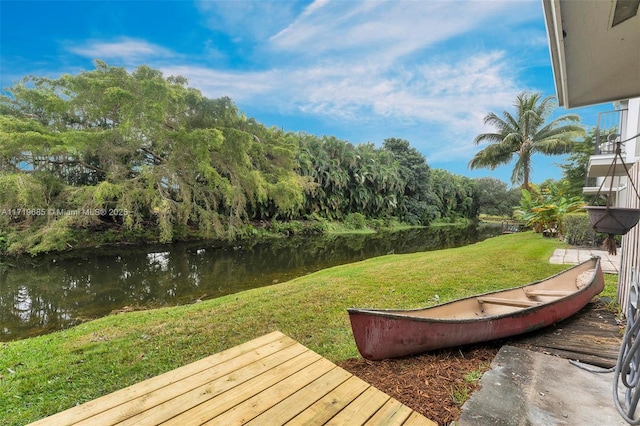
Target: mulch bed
x=434, y=384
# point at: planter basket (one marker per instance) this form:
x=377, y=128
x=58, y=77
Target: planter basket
x=612, y=220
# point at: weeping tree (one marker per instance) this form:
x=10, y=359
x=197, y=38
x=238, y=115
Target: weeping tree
x=139, y=151
x=527, y=132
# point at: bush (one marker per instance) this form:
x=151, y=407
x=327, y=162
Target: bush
x=295, y=227
x=285, y=228
x=578, y=231
x=315, y=227
x=355, y=221
x=55, y=236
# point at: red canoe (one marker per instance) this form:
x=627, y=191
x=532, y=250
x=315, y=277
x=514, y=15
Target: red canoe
x=385, y=333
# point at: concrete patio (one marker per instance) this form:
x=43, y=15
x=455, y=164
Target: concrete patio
x=610, y=263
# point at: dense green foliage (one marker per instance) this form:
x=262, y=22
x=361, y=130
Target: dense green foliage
x=454, y=195
x=142, y=156
x=578, y=230
x=575, y=169
x=494, y=197
x=544, y=208
x=526, y=133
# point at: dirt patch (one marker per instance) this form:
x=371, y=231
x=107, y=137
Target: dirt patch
x=435, y=384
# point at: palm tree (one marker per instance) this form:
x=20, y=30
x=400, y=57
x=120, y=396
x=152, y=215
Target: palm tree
x=524, y=135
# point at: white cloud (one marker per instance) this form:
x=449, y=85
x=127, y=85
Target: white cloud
x=240, y=86
x=388, y=29
x=123, y=49
x=248, y=20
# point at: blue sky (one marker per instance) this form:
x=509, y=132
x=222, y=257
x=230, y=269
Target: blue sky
x=427, y=71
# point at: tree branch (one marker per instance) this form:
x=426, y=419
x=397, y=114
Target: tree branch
x=156, y=158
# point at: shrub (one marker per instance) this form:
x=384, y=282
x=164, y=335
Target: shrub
x=285, y=228
x=578, y=231
x=355, y=221
x=315, y=227
x=545, y=208
x=55, y=236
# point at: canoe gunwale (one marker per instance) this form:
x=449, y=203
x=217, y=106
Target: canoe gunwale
x=405, y=314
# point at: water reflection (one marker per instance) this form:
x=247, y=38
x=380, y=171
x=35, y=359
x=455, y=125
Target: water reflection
x=50, y=293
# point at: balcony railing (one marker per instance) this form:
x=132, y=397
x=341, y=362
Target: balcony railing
x=608, y=131
x=591, y=182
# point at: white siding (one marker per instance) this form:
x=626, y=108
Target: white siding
x=631, y=241
x=630, y=246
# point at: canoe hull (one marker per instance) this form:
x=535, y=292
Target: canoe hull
x=381, y=334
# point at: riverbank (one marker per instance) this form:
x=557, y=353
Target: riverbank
x=27, y=241
x=47, y=374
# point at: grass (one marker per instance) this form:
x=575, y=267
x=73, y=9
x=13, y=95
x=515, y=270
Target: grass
x=43, y=375
x=475, y=375
x=459, y=394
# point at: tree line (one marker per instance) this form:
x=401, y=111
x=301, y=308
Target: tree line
x=121, y=154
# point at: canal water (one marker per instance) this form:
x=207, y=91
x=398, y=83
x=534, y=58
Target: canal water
x=48, y=293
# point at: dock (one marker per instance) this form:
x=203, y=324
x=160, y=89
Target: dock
x=271, y=380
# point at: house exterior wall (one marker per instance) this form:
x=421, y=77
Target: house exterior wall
x=630, y=250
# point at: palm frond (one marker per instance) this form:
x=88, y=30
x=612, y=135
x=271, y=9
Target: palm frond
x=550, y=130
x=491, y=157
x=521, y=170
x=493, y=120
x=512, y=123
x=488, y=137
x=554, y=146
x=514, y=140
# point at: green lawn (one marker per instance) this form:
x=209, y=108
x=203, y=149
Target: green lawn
x=47, y=374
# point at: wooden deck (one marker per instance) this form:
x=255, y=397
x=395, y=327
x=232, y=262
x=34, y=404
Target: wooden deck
x=272, y=380
x=592, y=336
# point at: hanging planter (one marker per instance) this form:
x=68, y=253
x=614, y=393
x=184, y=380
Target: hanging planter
x=612, y=220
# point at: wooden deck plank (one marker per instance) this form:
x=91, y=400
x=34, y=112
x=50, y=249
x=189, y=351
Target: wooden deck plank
x=417, y=419
x=96, y=406
x=326, y=407
x=261, y=402
x=270, y=380
x=360, y=409
x=223, y=402
x=185, y=394
x=273, y=353
x=287, y=409
x=392, y=413
x=592, y=335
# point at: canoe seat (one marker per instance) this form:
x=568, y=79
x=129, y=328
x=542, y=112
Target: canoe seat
x=507, y=302
x=551, y=293
x=585, y=278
